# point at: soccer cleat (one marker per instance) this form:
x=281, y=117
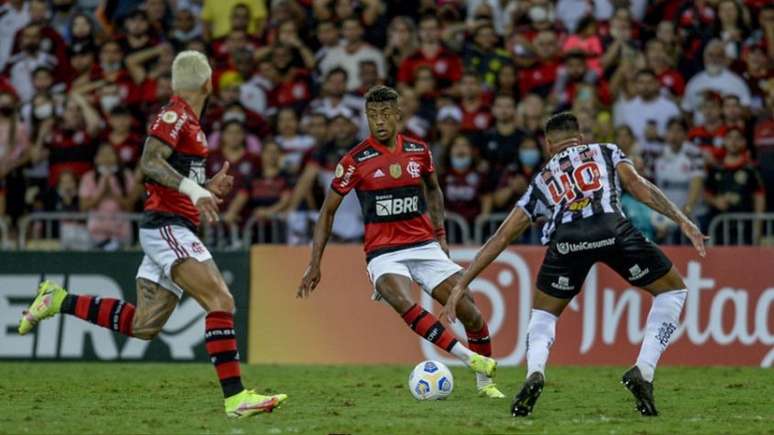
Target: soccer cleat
x=491, y=392
x=524, y=401
x=642, y=391
x=248, y=403
x=46, y=304
x=482, y=364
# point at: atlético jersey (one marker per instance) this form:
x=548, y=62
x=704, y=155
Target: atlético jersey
x=390, y=189
x=177, y=126
x=578, y=182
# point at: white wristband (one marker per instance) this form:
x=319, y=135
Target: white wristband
x=193, y=190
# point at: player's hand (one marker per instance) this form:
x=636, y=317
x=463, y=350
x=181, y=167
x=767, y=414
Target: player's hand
x=208, y=207
x=309, y=281
x=449, y=311
x=221, y=183
x=695, y=236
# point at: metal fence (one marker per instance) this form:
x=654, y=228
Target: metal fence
x=68, y=231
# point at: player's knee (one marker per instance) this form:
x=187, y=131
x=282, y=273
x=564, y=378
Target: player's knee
x=144, y=330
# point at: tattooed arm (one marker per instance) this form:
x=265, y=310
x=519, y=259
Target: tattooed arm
x=650, y=195
x=155, y=166
x=435, y=209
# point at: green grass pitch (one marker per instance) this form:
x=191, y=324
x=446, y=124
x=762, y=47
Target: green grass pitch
x=138, y=398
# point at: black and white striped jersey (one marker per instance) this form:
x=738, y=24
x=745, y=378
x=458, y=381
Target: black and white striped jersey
x=578, y=182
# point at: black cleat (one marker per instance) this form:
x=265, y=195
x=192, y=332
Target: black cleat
x=642, y=391
x=524, y=401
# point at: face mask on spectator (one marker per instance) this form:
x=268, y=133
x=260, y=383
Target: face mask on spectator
x=461, y=163
x=109, y=102
x=112, y=66
x=714, y=69
x=234, y=116
x=44, y=111
x=31, y=48
x=6, y=111
x=107, y=169
x=529, y=157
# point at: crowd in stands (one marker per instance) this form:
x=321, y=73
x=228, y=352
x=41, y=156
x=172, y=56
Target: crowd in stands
x=684, y=87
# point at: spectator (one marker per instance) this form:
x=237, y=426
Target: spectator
x=63, y=13
x=587, y=40
x=731, y=26
x=736, y=186
x=217, y=16
x=14, y=15
x=334, y=97
x=351, y=53
x=269, y=186
x=734, y=115
x=500, y=144
x=50, y=40
x=232, y=148
x=401, y=43
x=620, y=46
x=484, y=56
x=575, y=80
x=517, y=174
x=328, y=38
x=137, y=34
x=476, y=116
x=82, y=62
x=64, y=198
x=105, y=191
x=186, y=28
x=466, y=190
x=111, y=64
x=662, y=64
x=530, y=114
x=292, y=142
x=708, y=135
x=445, y=64
x=414, y=123
x=14, y=153
x=507, y=81
x=679, y=171
x=70, y=143
x=316, y=126
x=716, y=76
x=648, y=113
x=21, y=65
x=757, y=73
x=539, y=77
x=448, y=123
x=126, y=142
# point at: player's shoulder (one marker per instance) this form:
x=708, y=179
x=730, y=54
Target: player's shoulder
x=414, y=145
x=362, y=152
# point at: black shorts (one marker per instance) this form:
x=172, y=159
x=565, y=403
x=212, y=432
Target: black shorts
x=607, y=238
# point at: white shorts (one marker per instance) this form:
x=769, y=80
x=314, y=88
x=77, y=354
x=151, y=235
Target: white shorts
x=164, y=247
x=427, y=265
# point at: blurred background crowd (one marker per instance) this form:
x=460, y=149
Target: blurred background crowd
x=684, y=87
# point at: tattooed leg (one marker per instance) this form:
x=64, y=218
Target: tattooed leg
x=154, y=306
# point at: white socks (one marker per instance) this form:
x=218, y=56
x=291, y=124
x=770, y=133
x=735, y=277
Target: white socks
x=662, y=322
x=462, y=352
x=540, y=336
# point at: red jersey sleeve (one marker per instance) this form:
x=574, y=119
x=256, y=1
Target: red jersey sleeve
x=406, y=70
x=345, y=176
x=427, y=164
x=167, y=126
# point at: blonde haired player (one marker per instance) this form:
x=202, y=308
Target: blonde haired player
x=175, y=259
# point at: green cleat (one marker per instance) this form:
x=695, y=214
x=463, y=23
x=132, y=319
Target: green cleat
x=491, y=392
x=47, y=303
x=482, y=364
x=248, y=403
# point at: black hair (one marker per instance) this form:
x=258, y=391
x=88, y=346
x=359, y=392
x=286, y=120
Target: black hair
x=337, y=70
x=678, y=120
x=562, y=122
x=381, y=94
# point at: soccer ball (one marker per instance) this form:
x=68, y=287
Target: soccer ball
x=430, y=380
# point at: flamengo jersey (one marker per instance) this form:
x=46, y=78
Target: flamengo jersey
x=578, y=182
x=389, y=186
x=177, y=126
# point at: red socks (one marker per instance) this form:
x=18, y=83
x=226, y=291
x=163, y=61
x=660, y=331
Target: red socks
x=428, y=326
x=222, y=347
x=479, y=341
x=106, y=312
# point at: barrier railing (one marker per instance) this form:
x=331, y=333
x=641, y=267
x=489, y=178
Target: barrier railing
x=486, y=225
x=4, y=233
x=265, y=230
x=742, y=229
x=70, y=227
x=457, y=229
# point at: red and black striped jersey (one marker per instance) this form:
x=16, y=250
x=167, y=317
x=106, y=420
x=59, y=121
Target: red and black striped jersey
x=389, y=186
x=177, y=126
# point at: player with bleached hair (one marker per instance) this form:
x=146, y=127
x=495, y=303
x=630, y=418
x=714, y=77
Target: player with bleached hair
x=173, y=162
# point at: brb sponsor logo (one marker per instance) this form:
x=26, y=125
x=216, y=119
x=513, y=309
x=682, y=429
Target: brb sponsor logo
x=565, y=248
x=606, y=323
x=67, y=337
x=386, y=205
